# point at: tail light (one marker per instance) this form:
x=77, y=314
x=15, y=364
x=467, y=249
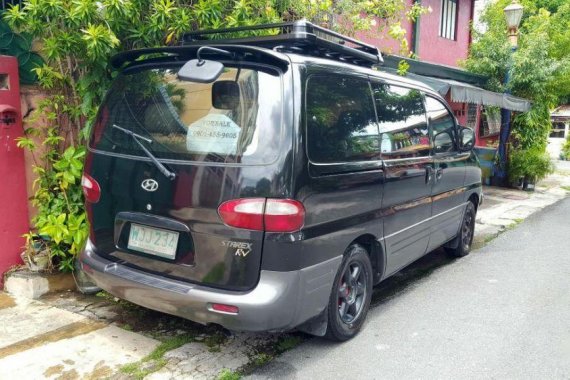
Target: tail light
x=283, y=215
x=243, y=213
x=91, y=188
x=260, y=214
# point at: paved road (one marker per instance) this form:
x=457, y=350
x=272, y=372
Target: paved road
x=562, y=165
x=503, y=312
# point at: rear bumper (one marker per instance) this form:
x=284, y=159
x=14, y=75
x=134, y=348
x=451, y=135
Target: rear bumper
x=280, y=301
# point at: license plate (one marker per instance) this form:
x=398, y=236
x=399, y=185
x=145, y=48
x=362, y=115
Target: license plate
x=153, y=241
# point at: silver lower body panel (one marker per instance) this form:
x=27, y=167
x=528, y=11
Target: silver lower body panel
x=280, y=301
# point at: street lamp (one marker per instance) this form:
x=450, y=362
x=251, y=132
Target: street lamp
x=513, y=16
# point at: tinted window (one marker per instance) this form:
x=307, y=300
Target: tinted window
x=402, y=122
x=235, y=119
x=442, y=125
x=341, y=125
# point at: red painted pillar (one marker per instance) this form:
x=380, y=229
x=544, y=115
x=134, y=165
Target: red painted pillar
x=13, y=194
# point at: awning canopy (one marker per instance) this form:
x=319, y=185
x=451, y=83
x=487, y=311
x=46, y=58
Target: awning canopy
x=466, y=93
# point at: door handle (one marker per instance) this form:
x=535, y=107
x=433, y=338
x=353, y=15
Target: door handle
x=429, y=174
x=438, y=174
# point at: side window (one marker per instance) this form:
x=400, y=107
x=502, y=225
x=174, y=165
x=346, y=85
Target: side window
x=341, y=125
x=402, y=122
x=442, y=124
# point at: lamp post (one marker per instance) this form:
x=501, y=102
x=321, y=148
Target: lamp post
x=513, y=15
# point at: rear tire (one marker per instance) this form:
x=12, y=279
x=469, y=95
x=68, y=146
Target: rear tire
x=465, y=234
x=350, y=296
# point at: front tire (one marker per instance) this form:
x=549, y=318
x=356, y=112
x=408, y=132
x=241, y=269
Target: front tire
x=466, y=233
x=351, y=294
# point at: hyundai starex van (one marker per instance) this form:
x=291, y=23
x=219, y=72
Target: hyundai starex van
x=268, y=183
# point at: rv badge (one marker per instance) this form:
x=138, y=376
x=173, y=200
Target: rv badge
x=242, y=249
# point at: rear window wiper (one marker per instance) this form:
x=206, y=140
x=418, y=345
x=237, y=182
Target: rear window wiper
x=136, y=137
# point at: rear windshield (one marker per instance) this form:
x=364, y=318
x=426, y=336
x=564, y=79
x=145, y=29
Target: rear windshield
x=236, y=119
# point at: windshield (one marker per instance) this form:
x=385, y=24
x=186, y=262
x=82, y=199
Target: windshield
x=235, y=119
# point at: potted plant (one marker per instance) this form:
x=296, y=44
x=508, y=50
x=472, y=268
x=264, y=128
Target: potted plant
x=516, y=168
x=527, y=167
x=36, y=255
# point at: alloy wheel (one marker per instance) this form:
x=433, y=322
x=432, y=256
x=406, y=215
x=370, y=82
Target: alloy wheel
x=467, y=230
x=352, y=292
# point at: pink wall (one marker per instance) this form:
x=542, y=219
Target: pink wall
x=436, y=49
x=13, y=195
x=432, y=48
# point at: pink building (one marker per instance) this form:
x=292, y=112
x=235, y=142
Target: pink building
x=441, y=36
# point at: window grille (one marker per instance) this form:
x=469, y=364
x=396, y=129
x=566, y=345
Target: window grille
x=448, y=20
x=471, y=115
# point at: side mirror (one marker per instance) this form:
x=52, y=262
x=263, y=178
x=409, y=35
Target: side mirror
x=200, y=71
x=466, y=139
x=443, y=142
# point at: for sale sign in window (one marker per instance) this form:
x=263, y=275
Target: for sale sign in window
x=214, y=133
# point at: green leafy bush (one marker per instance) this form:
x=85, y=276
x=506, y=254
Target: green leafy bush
x=58, y=196
x=565, y=152
x=530, y=165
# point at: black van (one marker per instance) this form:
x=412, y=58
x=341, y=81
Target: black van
x=268, y=183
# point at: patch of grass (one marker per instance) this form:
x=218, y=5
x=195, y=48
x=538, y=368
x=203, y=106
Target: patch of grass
x=226, y=374
x=214, y=341
x=168, y=345
x=262, y=358
x=514, y=225
x=567, y=188
x=269, y=350
x=287, y=343
x=127, y=327
x=155, y=360
x=130, y=368
x=140, y=370
x=105, y=295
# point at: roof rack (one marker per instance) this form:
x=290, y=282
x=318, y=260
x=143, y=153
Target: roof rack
x=171, y=54
x=301, y=37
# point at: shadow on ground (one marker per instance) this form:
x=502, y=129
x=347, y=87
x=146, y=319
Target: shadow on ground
x=409, y=276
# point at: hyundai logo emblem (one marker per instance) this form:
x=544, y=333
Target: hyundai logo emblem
x=149, y=184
